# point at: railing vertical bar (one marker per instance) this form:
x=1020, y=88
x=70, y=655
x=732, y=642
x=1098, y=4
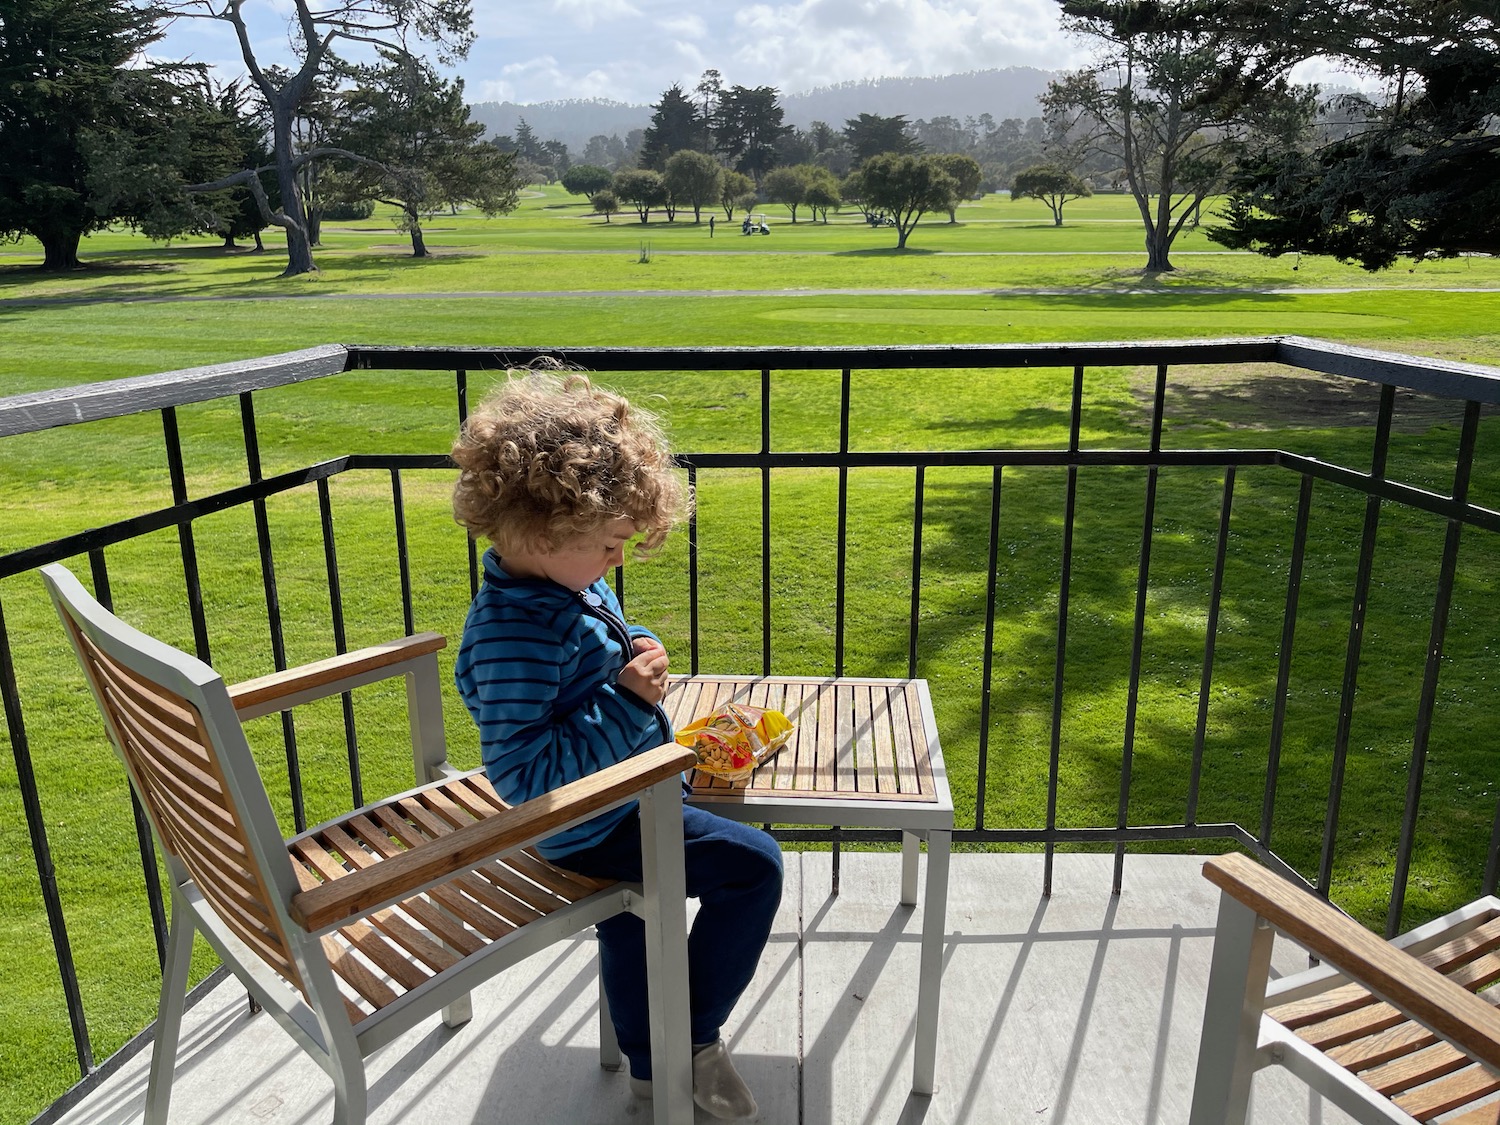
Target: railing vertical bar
x=918, y=493
x=41, y=852
x=143, y=838
x=273, y=603
x=843, y=530
x=1284, y=661
x=1138, y=631
x=1064, y=586
x=692, y=474
x=765, y=523
x=987, y=675
x=1492, y=863
x=1356, y=639
x=840, y=564
x=1215, y=595
x=1420, y=736
x=403, y=552
x=461, y=386
x=178, y=478
x=340, y=637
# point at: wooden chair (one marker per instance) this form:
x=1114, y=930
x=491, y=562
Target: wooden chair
x=354, y=931
x=1387, y=1031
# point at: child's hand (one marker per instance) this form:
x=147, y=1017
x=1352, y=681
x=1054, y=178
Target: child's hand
x=646, y=674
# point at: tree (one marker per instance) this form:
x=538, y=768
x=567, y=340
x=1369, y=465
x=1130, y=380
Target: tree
x=732, y=192
x=604, y=203
x=830, y=150
x=316, y=31
x=710, y=89
x=642, y=189
x=1169, y=95
x=965, y=173
x=421, y=152
x=605, y=152
x=795, y=147
x=695, y=179
x=822, y=192
x=243, y=218
x=586, y=179
x=944, y=134
x=869, y=134
x=89, y=135
x=1413, y=171
x=787, y=186
x=749, y=125
x=675, y=126
x=1053, y=186
x=904, y=187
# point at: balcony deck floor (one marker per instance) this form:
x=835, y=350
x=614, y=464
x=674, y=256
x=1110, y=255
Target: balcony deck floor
x=1082, y=1008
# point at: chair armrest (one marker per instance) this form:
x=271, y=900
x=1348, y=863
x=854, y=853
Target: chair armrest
x=370, y=888
x=280, y=691
x=1397, y=977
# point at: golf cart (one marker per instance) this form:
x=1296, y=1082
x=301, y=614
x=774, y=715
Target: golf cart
x=754, y=224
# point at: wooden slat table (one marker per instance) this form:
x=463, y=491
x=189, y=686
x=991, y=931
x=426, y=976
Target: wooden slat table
x=865, y=754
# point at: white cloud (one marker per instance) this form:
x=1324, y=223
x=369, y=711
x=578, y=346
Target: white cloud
x=586, y=13
x=684, y=26
x=821, y=42
x=631, y=50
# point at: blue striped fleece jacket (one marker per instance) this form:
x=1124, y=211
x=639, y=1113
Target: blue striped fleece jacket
x=536, y=668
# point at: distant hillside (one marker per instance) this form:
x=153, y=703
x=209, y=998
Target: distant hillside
x=1011, y=92
x=573, y=121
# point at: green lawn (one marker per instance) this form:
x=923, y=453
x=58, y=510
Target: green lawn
x=144, y=308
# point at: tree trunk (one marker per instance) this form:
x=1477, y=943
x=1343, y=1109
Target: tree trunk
x=60, y=249
x=1158, y=246
x=299, y=258
x=260, y=247
x=418, y=243
x=229, y=243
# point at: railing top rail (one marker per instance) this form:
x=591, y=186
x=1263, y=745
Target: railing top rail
x=90, y=402
x=830, y=357
x=1448, y=378
x=63, y=406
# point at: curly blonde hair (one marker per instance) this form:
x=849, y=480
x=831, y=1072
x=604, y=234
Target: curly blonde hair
x=547, y=459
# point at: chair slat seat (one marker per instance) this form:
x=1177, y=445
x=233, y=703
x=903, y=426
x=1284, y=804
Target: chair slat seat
x=1394, y=1055
x=395, y=950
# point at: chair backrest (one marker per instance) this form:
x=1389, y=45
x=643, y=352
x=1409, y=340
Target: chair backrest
x=172, y=723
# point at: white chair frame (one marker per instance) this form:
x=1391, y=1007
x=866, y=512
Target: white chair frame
x=302, y=918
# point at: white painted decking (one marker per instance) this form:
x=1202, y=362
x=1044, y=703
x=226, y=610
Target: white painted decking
x=1081, y=1008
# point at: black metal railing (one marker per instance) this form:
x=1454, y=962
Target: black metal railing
x=766, y=459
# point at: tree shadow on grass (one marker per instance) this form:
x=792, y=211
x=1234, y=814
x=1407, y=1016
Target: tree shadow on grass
x=887, y=252
x=243, y=277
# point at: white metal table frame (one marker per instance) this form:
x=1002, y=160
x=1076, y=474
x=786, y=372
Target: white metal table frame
x=919, y=817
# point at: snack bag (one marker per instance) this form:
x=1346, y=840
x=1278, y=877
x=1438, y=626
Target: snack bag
x=736, y=738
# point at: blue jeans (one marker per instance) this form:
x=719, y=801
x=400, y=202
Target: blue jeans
x=734, y=870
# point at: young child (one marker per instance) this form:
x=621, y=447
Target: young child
x=559, y=475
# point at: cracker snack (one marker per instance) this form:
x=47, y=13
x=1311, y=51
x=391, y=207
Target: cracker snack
x=735, y=738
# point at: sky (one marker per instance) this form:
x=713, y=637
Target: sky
x=632, y=50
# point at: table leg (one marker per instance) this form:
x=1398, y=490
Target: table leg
x=930, y=974
x=911, y=847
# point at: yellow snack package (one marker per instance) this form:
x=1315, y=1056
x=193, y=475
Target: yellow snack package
x=736, y=738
